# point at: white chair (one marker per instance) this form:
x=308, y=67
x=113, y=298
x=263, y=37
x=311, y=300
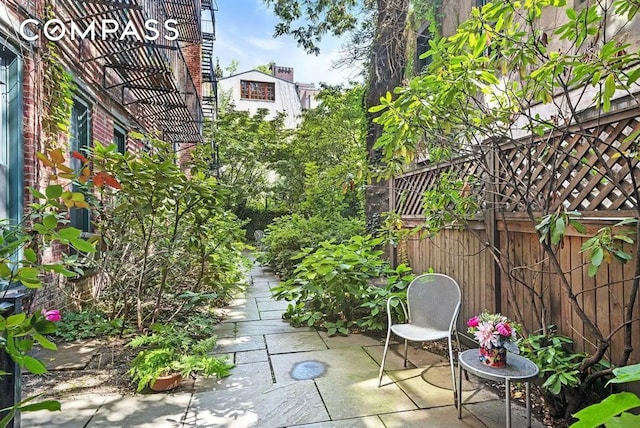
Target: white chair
x=433, y=302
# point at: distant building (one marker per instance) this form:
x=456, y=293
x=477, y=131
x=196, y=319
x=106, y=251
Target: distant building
x=307, y=93
x=276, y=92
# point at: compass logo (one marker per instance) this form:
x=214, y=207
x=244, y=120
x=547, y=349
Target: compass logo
x=106, y=29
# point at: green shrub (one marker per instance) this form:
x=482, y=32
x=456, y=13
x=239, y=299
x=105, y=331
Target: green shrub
x=89, y=324
x=562, y=380
x=288, y=235
x=332, y=286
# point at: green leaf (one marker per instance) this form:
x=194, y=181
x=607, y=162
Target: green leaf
x=69, y=233
x=8, y=417
x=44, y=342
x=50, y=222
x=15, y=320
x=597, y=257
x=597, y=414
x=37, y=194
x=50, y=405
x=30, y=255
x=82, y=245
x=609, y=90
x=579, y=227
x=625, y=420
x=593, y=270
x=626, y=374
x=558, y=231
x=5, y=271
x=53, y=191
x=34, y=365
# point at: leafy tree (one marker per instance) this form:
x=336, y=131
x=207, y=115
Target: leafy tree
x=386, y=65
x=248, y=147
x=331, y=137
x=477, y=96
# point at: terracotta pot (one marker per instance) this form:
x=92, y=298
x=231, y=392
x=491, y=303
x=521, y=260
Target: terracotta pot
x=494, y=357
x=166, y=383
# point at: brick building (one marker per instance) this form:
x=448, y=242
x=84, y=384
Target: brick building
x=135, y=65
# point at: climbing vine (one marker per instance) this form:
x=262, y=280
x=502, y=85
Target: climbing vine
x=423, y=11
x=58, y=90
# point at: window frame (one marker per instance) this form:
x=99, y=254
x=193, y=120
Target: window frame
x=264, y=91
x=11, y=139
x=80, y=218
x=120, y=148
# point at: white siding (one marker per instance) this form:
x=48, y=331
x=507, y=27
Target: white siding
x=286, y=96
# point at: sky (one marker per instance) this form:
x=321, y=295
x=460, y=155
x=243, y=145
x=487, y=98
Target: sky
x=244, y=32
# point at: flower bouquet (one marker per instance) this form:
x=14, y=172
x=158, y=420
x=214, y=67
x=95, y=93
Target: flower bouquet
x=495, y=333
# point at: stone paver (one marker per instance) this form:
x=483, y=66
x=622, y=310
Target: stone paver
x=271, y=406
x=440, y=417
x=266, y=304
x=493, y=414
x=76, y=411
x=256, y=356
x=368, y=422
x=337, y=363
x=356, y=394
x=242, y=376
x=352, y=340
x=239, y=344
x=142, y=411
x=271, y=315
x=294, y=342
x=69, y=356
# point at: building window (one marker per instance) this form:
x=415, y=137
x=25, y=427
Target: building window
x=250, y=90
x=120, y=139
x=80, y=141
x=11, y=115
x=10, y=137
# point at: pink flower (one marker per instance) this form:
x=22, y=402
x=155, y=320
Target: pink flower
x=504, y=329
x=473, y=322
x=486, y=335
x=52, y=315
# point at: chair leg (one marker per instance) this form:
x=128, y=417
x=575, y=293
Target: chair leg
x=384, y=357
x=406, y=348
x=453, y=375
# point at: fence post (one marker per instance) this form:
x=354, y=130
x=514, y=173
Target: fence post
x=491, y=223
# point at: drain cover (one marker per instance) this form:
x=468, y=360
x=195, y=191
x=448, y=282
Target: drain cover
x=307, y=370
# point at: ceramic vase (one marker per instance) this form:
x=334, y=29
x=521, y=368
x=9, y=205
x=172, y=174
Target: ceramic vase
x=493, y=357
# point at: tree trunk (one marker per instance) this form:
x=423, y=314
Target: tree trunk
x=388, y=61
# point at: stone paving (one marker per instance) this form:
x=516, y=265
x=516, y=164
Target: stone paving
x=295, y=377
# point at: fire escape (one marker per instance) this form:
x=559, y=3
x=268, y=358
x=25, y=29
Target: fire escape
x=209, y=78
x=149, y=77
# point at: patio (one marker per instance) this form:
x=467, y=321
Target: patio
x=295, y=377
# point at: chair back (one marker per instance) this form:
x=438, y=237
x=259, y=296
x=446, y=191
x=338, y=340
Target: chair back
x=434, y=300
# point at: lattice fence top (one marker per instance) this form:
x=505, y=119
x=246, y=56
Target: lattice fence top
x=580, y=169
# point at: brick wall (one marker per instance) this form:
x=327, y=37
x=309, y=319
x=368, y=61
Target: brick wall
x=102, y=125
x=193, y=57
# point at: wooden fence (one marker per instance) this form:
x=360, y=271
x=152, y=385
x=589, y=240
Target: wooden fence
x=551, y=172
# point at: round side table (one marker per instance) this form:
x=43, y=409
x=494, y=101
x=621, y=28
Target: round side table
x=518, y=369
